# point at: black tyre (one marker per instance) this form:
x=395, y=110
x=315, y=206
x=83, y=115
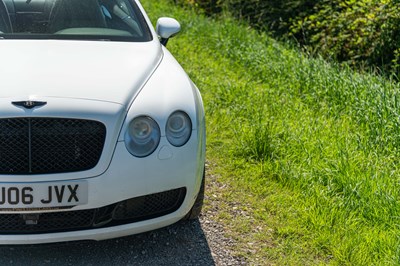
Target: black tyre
x=198, y=204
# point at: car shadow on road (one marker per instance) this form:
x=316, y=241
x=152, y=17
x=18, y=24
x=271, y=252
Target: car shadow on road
x=183, y=243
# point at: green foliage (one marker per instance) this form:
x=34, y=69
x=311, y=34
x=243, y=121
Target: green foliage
x=267, y=15
x=365, y=33
x=353, y=30
x=306, y=152
x=209, y=6
x=270, y=15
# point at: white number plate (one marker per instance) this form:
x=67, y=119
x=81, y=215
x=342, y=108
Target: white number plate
x=43, y=195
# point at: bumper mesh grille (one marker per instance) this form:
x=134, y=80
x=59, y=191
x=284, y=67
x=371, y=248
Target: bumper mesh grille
x=150, y=206
x=49, y=145
x=48, y=222
x=124, y=212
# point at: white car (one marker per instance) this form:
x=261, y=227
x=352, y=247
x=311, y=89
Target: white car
x=102, y=133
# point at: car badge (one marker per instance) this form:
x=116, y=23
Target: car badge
x=29, y=104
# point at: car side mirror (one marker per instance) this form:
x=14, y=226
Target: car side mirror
x=167, y=28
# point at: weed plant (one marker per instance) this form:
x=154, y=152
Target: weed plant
x=308, y=149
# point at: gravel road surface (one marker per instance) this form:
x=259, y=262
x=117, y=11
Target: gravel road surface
x=186, y=243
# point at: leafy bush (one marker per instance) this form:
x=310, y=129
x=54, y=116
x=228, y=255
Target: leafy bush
x=274, y=16
x=267, y=15
x=362, y=32
x=353, y=30
x=209, y=6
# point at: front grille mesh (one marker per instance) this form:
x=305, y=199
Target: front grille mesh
x=128, y=211
x=49, y=145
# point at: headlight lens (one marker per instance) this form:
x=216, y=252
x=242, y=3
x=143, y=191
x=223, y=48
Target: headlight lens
x=142, y=136
x=178, y=129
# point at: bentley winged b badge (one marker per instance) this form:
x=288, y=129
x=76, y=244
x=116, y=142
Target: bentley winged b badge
x=29, y=104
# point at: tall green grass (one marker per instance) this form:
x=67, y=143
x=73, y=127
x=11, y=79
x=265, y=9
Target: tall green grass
x=308, y=149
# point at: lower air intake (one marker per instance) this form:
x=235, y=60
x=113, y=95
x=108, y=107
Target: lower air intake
x=124, y=212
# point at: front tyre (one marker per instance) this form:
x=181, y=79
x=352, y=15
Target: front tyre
x=198, y=204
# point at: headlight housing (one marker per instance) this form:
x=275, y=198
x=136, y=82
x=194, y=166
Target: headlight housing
x=142, y=137
x=178, y=128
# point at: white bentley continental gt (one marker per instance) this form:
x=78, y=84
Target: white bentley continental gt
x=102, y=133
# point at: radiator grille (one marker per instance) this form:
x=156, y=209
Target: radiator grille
x=49, y=145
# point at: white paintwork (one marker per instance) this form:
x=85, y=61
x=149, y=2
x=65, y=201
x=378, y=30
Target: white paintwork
x=111, y=82
x=95, y=70
x=167, y=91
x=167, y=27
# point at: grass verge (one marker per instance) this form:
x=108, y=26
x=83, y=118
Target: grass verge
x=306, y=152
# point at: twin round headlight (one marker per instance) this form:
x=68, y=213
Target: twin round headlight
x=178, y=129
x=143, y=134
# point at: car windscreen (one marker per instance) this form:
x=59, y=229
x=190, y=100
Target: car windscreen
x=119, y=20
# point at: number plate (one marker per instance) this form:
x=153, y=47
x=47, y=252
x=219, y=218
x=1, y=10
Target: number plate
x=43, y=195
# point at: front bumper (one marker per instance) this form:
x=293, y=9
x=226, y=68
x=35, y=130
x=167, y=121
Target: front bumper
x=128, y=177
x=93, y=234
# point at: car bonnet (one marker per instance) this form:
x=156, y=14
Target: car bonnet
x=93, y=70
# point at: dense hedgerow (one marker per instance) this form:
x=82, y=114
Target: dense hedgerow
x=358, y=31
x=268, y=15
x=361, y=32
